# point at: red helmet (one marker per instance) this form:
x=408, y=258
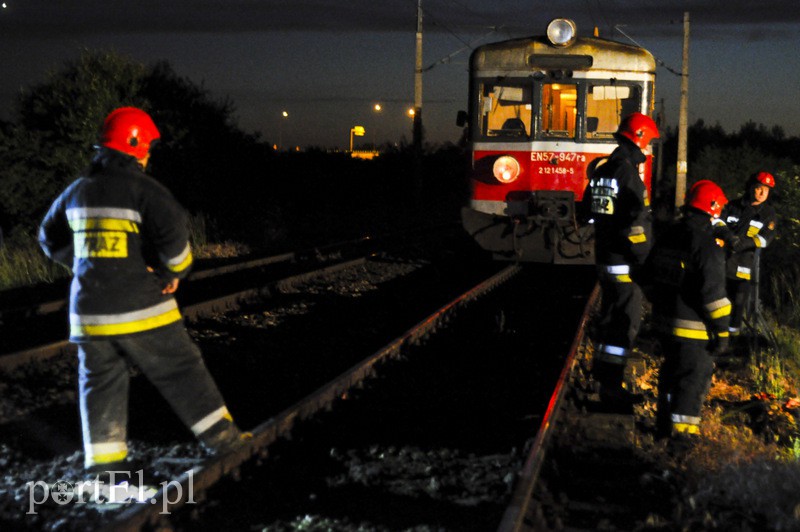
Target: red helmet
x=706, y=196
x=639, y=129
x=129, y=130
x=763, y=178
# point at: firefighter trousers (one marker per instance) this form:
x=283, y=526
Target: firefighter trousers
x=618, y=324
x=684, y=380
x=739, y=294
x=169, y=358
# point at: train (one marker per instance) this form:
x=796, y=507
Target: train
x=542, y=111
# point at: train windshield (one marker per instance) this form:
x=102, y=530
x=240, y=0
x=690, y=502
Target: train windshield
x=506, y=110
x=581, y=110
x=606, y=106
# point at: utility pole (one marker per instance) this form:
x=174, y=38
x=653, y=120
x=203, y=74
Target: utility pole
x=683, y=119
x=417, y=132
x=660, y=121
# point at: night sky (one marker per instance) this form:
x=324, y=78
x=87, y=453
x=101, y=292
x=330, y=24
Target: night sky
x=328, y=62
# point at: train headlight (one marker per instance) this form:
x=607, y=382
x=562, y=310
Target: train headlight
x=506, y=169
x=561, y=32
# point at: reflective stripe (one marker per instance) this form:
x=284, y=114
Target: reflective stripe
x=616, y=269
x=720, y=312
x=743, y=273
x=612, y=350
x=695, y=330
x=637, y=235
x=686, y=428
x=761, y=242
x=207, y=422
x=693, y=334
x=181, y=261
x=612, y=354
x=680, y=418
x=756, y=224
x=104, y=453
x=689, y=324
x=103, y=224
x=733, y=331
x=619, y=273
x=125, y=323
x=77, y=213
x=720, y=307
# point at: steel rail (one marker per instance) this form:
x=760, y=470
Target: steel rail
x=11, y=361
x=55, y=305
x=173, y=495
x=514, y=517
x=316, y=252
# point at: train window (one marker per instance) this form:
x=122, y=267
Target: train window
x=559, y=110
x=606, y=105
x=505, y=110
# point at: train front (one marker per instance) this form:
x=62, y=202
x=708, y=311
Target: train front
x=542, y=111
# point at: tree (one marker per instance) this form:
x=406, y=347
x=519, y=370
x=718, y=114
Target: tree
x=205, y=159
x=58, y=123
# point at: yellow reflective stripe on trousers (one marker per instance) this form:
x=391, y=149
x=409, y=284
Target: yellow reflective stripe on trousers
x=637, y=235
x=686, y=428
x=720, y=307
x=720, y=312
x=105, y=453
x=125, y=323
x=208, y=421
x=619, y=273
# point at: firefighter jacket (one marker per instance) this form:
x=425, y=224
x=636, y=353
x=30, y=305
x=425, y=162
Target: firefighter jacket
x=686, y=278
x=753, y=227
x=124, y=236
x=620, y=207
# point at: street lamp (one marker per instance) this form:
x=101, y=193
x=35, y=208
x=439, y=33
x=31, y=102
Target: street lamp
x=377, y=108
x=358, y=131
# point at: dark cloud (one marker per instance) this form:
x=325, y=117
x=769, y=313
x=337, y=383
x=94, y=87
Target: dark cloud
x=515, y=17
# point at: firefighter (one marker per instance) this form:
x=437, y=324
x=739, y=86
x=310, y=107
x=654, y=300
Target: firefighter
x=619, y=206
x=686, y=274
x=126, y=240
x=751, y=222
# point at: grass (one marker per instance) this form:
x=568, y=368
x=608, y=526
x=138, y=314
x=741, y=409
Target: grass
x=744, y=474
x=22, y=262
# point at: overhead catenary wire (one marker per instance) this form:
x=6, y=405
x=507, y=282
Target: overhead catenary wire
x=618, y=28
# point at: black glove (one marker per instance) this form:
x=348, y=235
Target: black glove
x=719, y=345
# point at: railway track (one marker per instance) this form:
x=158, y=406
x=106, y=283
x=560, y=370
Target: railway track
x=36, y=330
x=351, y=390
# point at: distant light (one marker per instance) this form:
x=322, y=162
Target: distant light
x=411, y=112
x=285, y=114
x=5, y=5
x=378, y=107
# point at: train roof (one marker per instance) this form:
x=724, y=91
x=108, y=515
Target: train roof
x=586, y=53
